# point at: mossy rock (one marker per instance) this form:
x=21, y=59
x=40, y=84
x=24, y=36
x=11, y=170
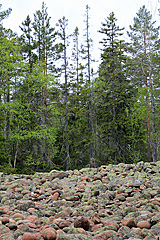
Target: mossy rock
x=7, y=237
x=157, y=225
x=5, y=200
x=48, y=213
x=146, y=195
x=45, y=220
x=129, y=209
x=110, y=233
x=73, y=237
x=145, y=232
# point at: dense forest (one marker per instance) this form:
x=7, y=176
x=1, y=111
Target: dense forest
x=57, y=112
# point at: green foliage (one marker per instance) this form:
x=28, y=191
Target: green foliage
x=57, y=114
x=114, y=93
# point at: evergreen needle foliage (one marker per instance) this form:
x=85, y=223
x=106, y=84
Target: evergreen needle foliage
x=56, y=112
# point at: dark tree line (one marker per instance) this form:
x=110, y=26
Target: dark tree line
x=56, y=112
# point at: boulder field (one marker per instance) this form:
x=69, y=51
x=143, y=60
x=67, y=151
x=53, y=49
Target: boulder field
x=110, y=202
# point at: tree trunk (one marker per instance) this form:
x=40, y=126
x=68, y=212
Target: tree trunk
x=90, y=120
x=147, y=103
x=155, y=145
x=67, y=161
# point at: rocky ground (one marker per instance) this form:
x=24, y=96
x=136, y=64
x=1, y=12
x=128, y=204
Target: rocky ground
x=110, y=202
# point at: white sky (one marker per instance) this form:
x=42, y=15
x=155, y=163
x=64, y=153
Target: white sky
x=74, y=11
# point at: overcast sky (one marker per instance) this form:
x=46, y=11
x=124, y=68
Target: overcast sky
x=74, y=11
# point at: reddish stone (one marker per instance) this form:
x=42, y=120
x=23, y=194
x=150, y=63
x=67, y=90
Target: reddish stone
x=85, y=178
x=55, y=196
x=10, y=212
x=148, y=181
x=81, y=188
x=143, y=224
x=97, y=178
x=5, y=220
x=95, y=227
x=29, y=236
x=37, y=234
x=105, y=235
x=32, y=218
x=72, y=198
x=31, y=210
x=81, y=231
x=68, y=210
x=57, y=220
x=12, y=221
x=82, y=222
x=142, y=187
x=104, y=180
x=64, y=223
x=52, y=218
x=43, y=180
x=96, y=219
x=147, y=212
x=129, y=222
x=157, y=199
x=49, y=234
x=5, y=209
x=31, y=225
x=12, y=226
x=18, y=215
x=59, y=175
x=112, y=223
x=62, y=214
x=59, y=232
x=57, y=190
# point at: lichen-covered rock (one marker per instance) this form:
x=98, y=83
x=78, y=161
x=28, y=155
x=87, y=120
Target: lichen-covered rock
x=74, y=237
x=109, y=202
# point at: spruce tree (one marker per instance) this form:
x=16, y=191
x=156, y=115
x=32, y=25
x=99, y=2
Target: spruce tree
x=114, y=92
x=27, y=42
x=88, y=90
x=44, y=37
x=62, y=50
x=3, y=15
x=143, y=35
